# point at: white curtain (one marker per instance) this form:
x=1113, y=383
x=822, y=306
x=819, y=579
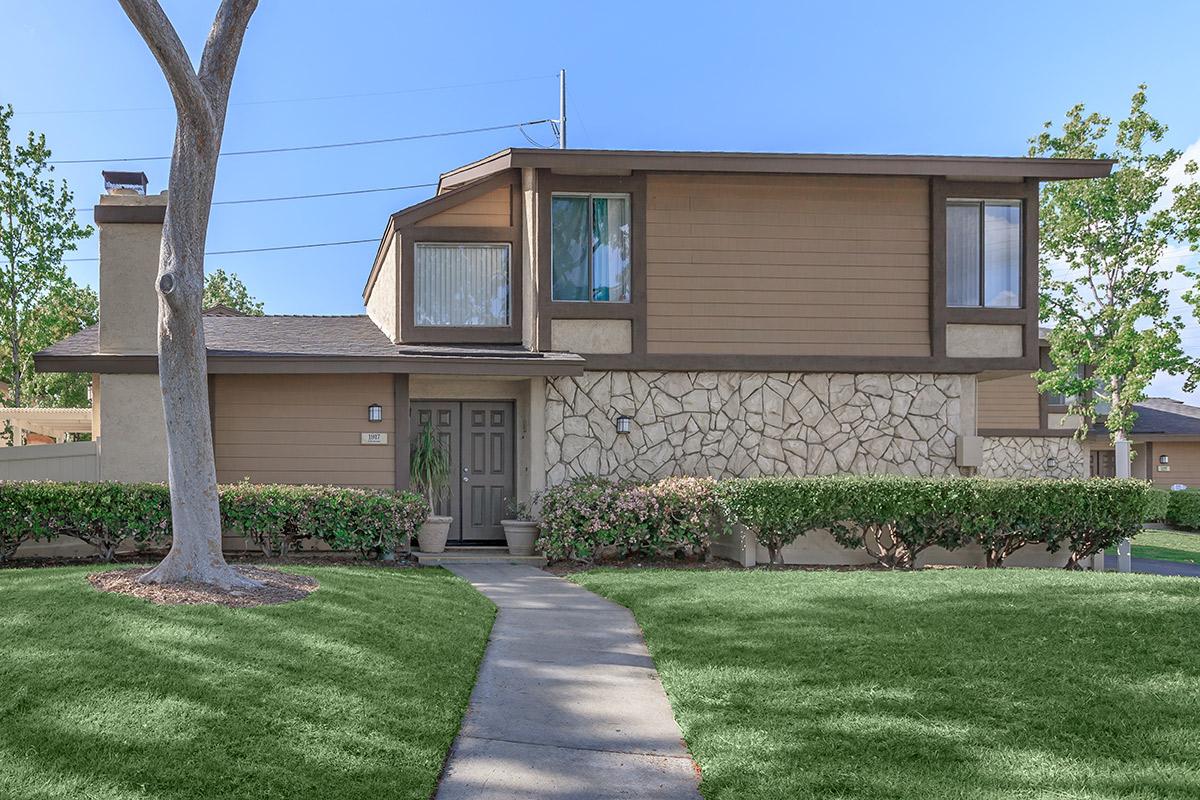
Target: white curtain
x=1002, y=255
x=962, y=254
x=461, y=285
x=610, y=249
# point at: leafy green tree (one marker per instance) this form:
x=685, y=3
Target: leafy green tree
x=223, y=288
x=1112, y=326
x=37, y=226
x=68, y=309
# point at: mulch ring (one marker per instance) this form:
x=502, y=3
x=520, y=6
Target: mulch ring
x=278, y=587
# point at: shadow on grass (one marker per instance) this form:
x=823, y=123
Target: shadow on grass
x=355, y=692
x=988, y=684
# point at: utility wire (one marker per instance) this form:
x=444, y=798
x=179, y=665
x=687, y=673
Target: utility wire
x=284, y=100
x=266, y=249
x=81, y=209
x=331, y=146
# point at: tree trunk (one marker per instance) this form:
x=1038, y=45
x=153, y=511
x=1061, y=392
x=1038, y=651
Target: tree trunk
x=195, y=553
x=200, y=100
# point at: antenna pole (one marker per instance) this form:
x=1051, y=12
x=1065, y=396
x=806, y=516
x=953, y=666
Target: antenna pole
x=562, y=109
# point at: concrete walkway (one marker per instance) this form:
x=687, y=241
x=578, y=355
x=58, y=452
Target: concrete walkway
x=568, y=703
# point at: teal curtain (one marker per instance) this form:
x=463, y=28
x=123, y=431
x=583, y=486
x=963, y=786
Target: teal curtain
x=569, y=248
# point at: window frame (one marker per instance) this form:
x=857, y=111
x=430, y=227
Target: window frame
x=508, y=247
x=981, y=203
x=591, y=289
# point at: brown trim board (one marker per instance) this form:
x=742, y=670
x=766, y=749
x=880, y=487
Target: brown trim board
x=285, y=364
x=401, y=434
x=1039, y=433
x=411, y=333
x=941, y=314
x=139, y=214
x=635, y=310
x=968, y=167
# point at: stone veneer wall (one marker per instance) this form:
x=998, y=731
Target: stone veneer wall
x=1029, y=457
x=745, y=423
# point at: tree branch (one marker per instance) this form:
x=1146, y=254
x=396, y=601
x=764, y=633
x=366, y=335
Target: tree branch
x=221, y=53
x=191, y=102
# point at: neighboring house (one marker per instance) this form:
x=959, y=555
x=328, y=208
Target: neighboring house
x=1166, y=444
x=558, y=313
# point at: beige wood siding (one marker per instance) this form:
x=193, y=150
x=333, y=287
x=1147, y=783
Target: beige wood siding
x=303, y=429
x=1008, y=403
x=1184, y=462
x=490, y=210
x=382, y=301
x=787, y=265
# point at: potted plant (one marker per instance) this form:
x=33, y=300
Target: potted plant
x=520, y=530
x=429, y=465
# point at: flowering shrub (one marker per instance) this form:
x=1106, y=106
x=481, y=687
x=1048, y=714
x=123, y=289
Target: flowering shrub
x=585, y=518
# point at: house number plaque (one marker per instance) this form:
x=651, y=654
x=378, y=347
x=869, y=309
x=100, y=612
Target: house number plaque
x=374, y=438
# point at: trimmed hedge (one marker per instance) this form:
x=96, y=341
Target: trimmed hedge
x=592, y=516
x=1157, y=503
x=1183, y=509
x=893, y=518
x=278, y=518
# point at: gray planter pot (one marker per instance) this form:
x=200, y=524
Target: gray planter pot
x=431, y=538
x=520, y=535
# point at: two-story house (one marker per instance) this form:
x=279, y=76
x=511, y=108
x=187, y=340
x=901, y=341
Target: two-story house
x=558, y=313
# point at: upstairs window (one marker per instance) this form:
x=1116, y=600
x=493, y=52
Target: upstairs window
x=461, y=285
x=983, y=253
x=589, y=248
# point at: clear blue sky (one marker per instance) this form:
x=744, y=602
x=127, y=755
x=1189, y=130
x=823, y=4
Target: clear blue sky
x=944, y=78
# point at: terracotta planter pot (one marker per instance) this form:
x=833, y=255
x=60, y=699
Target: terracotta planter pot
x=520, y=535
x=431, y=538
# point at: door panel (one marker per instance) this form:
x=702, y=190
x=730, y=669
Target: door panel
x=445, y=419
x=479, y=437
x=487, y=468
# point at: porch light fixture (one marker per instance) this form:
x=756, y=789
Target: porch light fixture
x=623, y=423
x=1163, y=459
x=375, y=412
x=1051, y=463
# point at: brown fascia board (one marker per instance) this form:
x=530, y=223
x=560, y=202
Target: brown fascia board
x=958, y=167
x=562, y=364
x=149, y=214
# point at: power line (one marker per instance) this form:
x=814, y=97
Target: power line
x=285, y=100
x=305, y=196
x=264, y=249
x=331, y=146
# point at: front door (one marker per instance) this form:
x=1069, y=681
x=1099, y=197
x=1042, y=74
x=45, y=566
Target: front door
x=1104, y=464
x=479, y=438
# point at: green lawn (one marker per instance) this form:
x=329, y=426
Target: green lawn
x=355, y=692
x=1167, y=546
x=928, y=685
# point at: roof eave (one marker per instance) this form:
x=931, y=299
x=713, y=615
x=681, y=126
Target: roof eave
x=236, y=362
x=962, y=167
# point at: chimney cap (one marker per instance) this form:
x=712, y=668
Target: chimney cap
x=116, y=181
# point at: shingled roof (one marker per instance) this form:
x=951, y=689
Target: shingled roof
x=236, y=342
x=1166, y=417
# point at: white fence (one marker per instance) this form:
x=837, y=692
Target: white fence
x=74, y=461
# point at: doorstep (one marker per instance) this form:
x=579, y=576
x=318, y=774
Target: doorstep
x=474, y=555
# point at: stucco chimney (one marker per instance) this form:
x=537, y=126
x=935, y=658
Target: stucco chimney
x=130, y=223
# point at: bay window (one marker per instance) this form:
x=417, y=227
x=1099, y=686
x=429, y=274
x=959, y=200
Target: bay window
x=589, y=248
x=983, y=253
x=461, y=285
